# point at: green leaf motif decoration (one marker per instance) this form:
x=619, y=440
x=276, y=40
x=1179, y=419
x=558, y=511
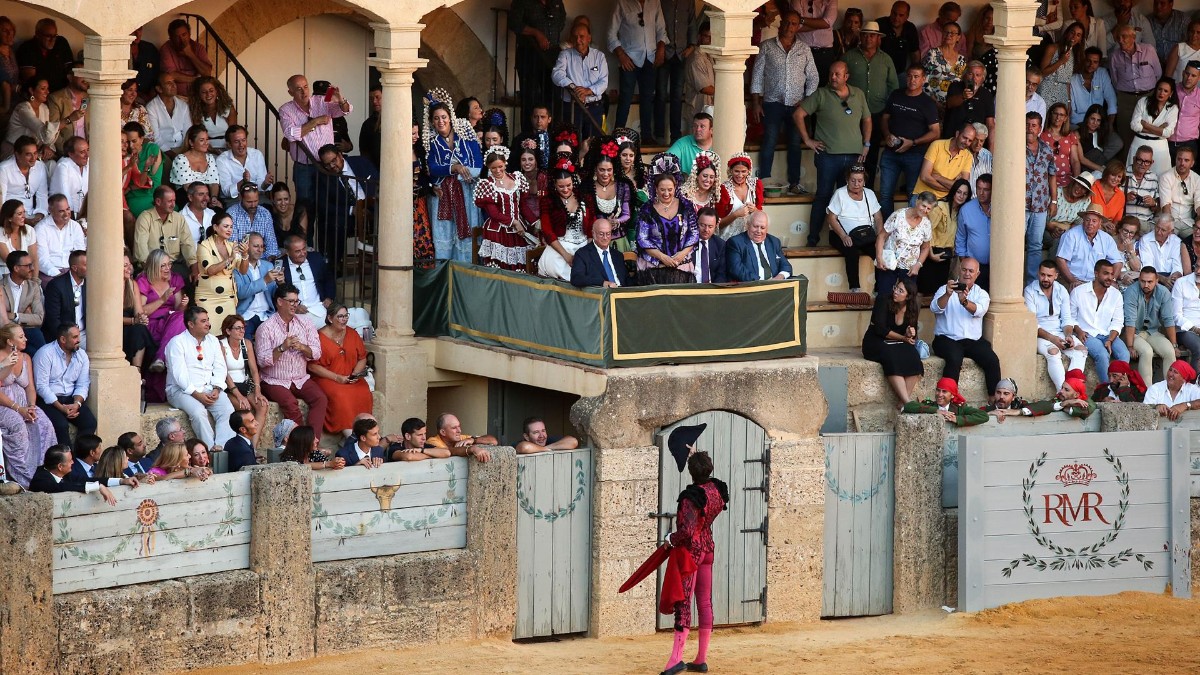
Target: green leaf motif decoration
x=448, y=509
x=555, y=514
x=857, y=497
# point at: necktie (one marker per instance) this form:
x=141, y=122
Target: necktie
x=608, y=275
x=762, y=260
x=544, y=147
x=704, y=262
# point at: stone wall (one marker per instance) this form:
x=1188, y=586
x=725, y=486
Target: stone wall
x=620, y=424
x=284, y=608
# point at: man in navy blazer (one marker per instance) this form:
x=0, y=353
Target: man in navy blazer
x=86, y=451
x=60, y=296
x=710, y=250
x=746, y=253
x=588, y=267
x=317, y=286
x=54, y=476
x=368, y=451
x=240, y=449
x=345, y=186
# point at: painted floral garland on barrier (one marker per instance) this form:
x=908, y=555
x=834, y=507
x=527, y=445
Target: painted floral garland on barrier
x=554, y=514
x=383, y=493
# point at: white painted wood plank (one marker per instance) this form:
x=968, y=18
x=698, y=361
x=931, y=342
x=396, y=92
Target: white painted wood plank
x=405, y=473
x=418, y=494
x=755, y=566
x=865, y=474
x=1140, y=540
x=581, y=548
x=372, y=545
x=163, y=492
x=832, y=504
x=372, y=523
x=99, y=526
x=142, y=570
x=880, y=564
x=560, y=586
x=844, y=565
x=543, y=556
x=114, y=550
x=1144, y=490
x=727, y=437
x=1130, y=569
x=1140, y=467
x=995, y=596
x=1015, y=522
x=526, y=559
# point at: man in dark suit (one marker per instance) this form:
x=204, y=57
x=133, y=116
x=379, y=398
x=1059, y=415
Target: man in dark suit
x=346, y=189
x=53, y=476
x=537, y=135
x=368, y=451
x=755, y=255
x=710, y=250
x=86, y=451
x=311, y=275
x=598, y=263
x=66, y=298
x=240, y=447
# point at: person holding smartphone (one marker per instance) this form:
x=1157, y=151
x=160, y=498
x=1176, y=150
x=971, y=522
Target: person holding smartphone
x=340, y=370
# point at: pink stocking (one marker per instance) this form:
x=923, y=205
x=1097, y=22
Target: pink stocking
x=704, y=607
x=677, y=648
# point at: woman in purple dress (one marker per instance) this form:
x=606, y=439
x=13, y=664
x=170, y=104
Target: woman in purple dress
x=26, y=429
x=164, y=301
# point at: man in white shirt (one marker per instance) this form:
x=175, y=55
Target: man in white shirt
x=196, y=214
x=637, y=37
x=958, y=308
x=196, y=378
x=256, y=287
x=241, y=163
x=710, y=250
x=57, y=236
x=1051, y=304
x=1175, y=394
x=23, y=177
x=1033, y=100
x=169, y=115
x=1163, y=250
x=1099, y=313
x=1141, y=187
x=1186, y=296
x=71, y=174
x=1179, y=191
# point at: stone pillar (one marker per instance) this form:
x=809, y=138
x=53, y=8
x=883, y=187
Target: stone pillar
x=919, y=539
x=28, y=623
x=113, y=396
x=281, y=555
x=1011, y=327
x=400, y=363
x=730, y=48
x=491, y=531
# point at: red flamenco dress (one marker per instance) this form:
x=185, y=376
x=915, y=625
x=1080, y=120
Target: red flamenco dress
x=503, y=246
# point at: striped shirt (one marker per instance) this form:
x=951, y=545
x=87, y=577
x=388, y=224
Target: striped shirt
x=292, y=118
x=291, y=367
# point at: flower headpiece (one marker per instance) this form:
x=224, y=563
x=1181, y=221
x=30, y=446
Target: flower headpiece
x=664, y=163
x=627, y=135
x=500, y=151
x=741, y=158
x=565, y=164
x=705, y=159
x=495, y=117
x=433, y=97
x=567, y=136
x=610, y=150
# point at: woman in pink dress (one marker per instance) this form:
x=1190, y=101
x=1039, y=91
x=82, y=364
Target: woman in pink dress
x=163, y=301
x=25, y=442
x=500, y=195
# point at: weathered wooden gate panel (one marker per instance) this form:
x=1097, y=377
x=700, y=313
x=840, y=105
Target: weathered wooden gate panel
x=554, y=543
x=740, y=456
x=858, y=524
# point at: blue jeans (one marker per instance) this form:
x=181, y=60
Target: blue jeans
x=1035, y=230
x=305, y=178
x=891, y=165
x=1095, y=347
x=831, y=175
x=643, y=78
x=776, y=116
x=670, y=79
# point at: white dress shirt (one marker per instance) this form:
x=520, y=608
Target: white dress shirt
x=31, y=190
x=77, y=290
x=955, y=322
x=195, y=370
x=590, y=72
x=1186, y=296
x=612, y=271
x=1181, y=194
x=232, y=171
x=169, y=130
x=55, y=245
x=310, y=297
x=259, y=306
x=197, y=226
x=638, y=37
x=1164, y=258
x=1054, y=313
x=1158, y=393
x=72, y=182
x=1094, y=316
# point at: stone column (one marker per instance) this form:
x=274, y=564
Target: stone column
x=400, y=363
x=281, y=556
x=731, y=33
x=28, y=622
x=113, y=397
x=1011, y=327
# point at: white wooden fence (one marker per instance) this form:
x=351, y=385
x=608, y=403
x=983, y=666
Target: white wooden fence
x=401, y=507
x=859, y=513
x=554, y=543
x=162, y=531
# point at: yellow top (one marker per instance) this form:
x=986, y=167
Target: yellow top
x=944, y=226
x=945, y=165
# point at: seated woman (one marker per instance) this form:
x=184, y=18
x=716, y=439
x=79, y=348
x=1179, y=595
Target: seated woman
x=133, y=111
x=241, y=377
x=112, y=464
x=1124, y=384
x=1176, y=394
x=212, y=107
x=163, y=301
x=135, y=336
x=855, y=220
x=667, y=232
x=31, y=117
x=1098, y=143
x=197, y=452
x=197, y=165
x=1107, y=195
x=303, y=447
x=566, y=222
x=290, y=217
x=891, y=338
x=175, y=462
x=26, y=430
x=339, y=372
x=18, y=235
x=219, y=256
x=949, y=404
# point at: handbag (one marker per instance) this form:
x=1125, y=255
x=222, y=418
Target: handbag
x=862, y=235
x=888, y=258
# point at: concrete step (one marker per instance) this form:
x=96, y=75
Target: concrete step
x=835, y=326
x=826, y=270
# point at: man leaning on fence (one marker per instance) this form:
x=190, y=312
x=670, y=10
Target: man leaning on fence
x=450, y=437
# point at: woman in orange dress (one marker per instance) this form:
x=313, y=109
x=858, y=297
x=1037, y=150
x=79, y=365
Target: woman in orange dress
x=340, y=370
x=1107, y=195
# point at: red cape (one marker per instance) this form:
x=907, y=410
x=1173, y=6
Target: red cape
x=679, y=566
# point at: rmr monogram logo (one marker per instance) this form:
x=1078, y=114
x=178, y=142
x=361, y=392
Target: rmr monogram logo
x=1061, y=506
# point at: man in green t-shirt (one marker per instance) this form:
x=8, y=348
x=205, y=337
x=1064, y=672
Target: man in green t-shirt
x=842, y=138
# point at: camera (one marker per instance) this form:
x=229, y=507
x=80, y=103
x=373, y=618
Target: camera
x=956, y=286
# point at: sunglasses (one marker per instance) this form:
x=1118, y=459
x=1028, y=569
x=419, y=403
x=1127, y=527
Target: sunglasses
x=642, y=20
x=301, y=272
x=846, y=107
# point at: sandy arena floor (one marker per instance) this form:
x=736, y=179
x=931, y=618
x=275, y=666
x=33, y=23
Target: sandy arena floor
x=1128, y=633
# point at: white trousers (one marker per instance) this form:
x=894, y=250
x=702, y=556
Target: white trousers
x=198, y=413
x=1076, y=358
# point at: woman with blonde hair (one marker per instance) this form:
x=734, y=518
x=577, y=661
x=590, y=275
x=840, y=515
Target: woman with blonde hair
x=26, y=429
x=175, y=462
x=163, y=301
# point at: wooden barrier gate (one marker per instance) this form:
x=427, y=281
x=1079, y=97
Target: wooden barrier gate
x=554, y=543
x=858, y=524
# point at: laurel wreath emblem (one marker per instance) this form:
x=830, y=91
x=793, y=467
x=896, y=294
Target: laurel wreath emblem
x=1088, y=557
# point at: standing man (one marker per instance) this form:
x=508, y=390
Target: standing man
x=1141, y=188
x=1033, y=100
x=62, y=377
x=1187, y=129
x=1092, y=86
x=982, y=157
x=538, y=136
x=1149, y=323
x=1135, y=69
x=285, y=346
x=816, y=30
x=679, y=17
x=968, y=101
x=843, y=136
x=1179, y=192
x=1050, y=302
x=1081, y=246
x=538, y=25
x=1041, y=193
x=535, y=438
x=256, y=288
x=1169, y=26
x=71, y=174
x=710, y=250
x=582, y=72
x=775, y=98
x=183, y=56
x=873, y=72
x=637, y=36
x=973, y=239
x=23, y=297
x=946, y=161
x=900, y=39
x=700, y=76
x=68, y=107
x=196, y=378
x=701, y=138
x=1099, y=313
x=307, y=123
x=958, y=326
x=909, y=123
x=47, y=55
x=931, y=34
x=1122, y=14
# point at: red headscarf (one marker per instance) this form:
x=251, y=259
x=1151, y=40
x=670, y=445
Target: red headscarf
x=1079, y=385
x=1134, y=377
x=1186, y=371
x=951, y=386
